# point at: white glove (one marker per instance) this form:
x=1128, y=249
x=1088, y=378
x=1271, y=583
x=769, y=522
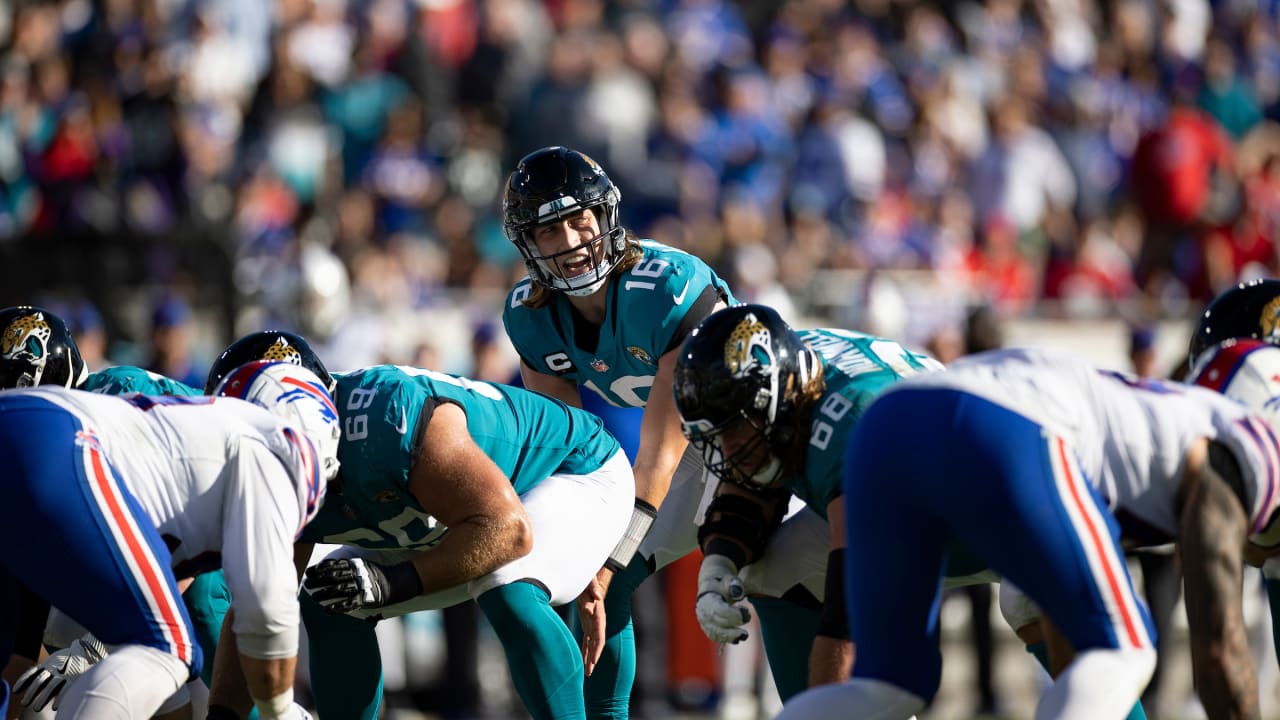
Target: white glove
x=719, y=591
x=46, y=681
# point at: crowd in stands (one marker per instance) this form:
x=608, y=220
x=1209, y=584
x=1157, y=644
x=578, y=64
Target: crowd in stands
x=179, y=172
x=299, y=161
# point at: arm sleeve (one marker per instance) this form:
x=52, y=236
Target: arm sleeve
x=260, y=516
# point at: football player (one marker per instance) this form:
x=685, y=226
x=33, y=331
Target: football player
x=456, y=489
x=36, y=348
x=133, y=493
x=1037, y=462
x=1250, y=310
x=206, y=595
x=768, y=409
x=606, y=311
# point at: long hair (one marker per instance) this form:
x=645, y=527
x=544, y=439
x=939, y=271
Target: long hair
x=540, y=295
x=791, y=451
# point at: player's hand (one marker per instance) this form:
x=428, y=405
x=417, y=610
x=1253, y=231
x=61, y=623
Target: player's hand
x=45, y=682
x=591, y=614
x=719, y=592
x=341, y=586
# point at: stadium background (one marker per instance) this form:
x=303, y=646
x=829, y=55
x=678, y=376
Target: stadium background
x=176, y=172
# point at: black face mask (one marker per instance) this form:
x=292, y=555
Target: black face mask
x=16, y=374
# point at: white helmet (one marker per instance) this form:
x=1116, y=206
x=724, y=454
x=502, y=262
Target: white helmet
x=1247, y=371
x=295, y=394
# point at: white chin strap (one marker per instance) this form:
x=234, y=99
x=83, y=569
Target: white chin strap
x=766, y=474
x=591, y=289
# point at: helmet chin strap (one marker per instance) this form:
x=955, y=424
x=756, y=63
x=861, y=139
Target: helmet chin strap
x=768, y=472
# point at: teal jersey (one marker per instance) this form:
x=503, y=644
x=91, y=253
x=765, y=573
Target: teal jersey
x=383, y=410
x=649, y=311
x=857, y=368
x=126, y=379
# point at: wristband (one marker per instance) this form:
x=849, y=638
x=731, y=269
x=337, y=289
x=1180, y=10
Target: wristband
x=642, y=518
x=833, y=618
x=403, y=582
x=277, y=708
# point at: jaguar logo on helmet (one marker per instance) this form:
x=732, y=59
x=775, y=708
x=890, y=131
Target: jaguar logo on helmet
x=748, y=347
x=282, y=351
x=1269, y=319
x=26, y=338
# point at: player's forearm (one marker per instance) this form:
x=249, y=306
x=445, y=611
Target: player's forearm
x=661, y=442
x=229, y=688
x=1220, y=657
x=473, y=549
x=656, y=461
x=1213, y=531
x=830, y=660
x=1222, y=664
x=268, y=680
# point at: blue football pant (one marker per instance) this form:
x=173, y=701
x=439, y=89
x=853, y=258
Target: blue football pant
x=1004, y=487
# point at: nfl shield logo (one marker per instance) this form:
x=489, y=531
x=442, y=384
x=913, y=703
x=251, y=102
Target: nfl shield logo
x=599, y=365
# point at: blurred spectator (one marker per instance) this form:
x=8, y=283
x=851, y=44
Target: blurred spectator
x=171, y=342
x=90, y=334
x=1226, y=94
x=983, y=331
x=1183, y=183
x=1142, y=351
x=336, y=166
x=755, y=280
x=1022, y=174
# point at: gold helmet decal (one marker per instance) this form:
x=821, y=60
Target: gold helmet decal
x=26, y=338
x=282, y=351
x=748, y=346
x=1269, y=319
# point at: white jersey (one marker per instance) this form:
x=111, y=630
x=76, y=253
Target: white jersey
x=1130, y=435
x=226, y=483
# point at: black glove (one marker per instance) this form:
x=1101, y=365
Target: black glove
x=341, y=586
